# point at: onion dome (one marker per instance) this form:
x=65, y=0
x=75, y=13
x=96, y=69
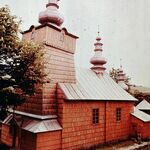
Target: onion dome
x=51, y=14
x=97, y=60
x=121, y=79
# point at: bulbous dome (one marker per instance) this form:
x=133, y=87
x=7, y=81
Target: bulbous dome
x=51, y=14
x=98, y=59
x=121, y=79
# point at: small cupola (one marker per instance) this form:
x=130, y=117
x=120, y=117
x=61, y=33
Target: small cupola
x=97, y=60
x=121, y=79
x=51, y=14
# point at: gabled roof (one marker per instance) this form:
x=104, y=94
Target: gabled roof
x=141, y=115
x=34, y=125
x=143, y=105
x=91, y=86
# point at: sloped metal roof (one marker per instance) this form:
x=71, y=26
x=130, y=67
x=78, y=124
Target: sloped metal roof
x=34, y=125
x=8, y=119
x=141, y=115
x=90, y=86
x=37, y=126
x=143, y=105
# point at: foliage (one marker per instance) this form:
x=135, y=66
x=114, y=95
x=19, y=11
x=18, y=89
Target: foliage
x=20, y=63
x=141, y=96
x=114, y=74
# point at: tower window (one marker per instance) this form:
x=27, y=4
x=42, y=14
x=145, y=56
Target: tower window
x=118, y=114
x=95, y=113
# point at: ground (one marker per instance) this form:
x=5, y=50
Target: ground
x=127, y=145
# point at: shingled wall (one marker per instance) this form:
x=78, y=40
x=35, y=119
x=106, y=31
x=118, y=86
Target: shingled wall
x=140, y=128
x=59, y=66
x=78, y=129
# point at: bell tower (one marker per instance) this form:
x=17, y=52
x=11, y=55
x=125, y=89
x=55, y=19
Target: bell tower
x=59, y=49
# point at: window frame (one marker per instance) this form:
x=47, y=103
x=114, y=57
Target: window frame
x=95, y=116
x=118, y=114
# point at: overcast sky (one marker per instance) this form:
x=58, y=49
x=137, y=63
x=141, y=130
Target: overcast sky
x=124, y=29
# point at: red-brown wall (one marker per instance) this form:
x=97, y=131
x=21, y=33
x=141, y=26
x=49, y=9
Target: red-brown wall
x=59, y=52
x=78, y=129
x=27, y=141
x=41, y=141
x=117, y=130
x=140, y=127
x=6, y=138
x=49, y=141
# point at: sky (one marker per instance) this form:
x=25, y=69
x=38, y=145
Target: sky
x=124, y=29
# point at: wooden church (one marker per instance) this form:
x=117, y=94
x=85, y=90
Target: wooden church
x=77, y=108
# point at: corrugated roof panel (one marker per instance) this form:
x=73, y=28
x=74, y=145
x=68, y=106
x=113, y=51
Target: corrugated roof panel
x=8, y=119
x=30, y=125
x=65, y=90
x=82, y=90
x=141, y=115
x=143, y=105
x=110, y=91
x=79, y=93
x=72, y=91
x=90, y=86
x=37, y=126
x=40, y=127
x=114, y=88
x=34, y=125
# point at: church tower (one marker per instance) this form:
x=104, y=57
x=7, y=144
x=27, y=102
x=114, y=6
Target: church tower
x=97, y=60
x=59, y=49
x=121, y=79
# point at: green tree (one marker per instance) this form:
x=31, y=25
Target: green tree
x=21, y=64
x=114, y=74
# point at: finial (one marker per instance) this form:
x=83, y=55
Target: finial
x=50, y=1
x=98, y=37
x=120, y=63
x=98, y=30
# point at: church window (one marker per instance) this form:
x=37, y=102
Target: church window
x=95, y=113
x=118, y=114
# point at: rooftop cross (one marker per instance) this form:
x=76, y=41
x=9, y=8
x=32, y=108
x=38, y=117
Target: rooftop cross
x=98, y=30
x=120, y=63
